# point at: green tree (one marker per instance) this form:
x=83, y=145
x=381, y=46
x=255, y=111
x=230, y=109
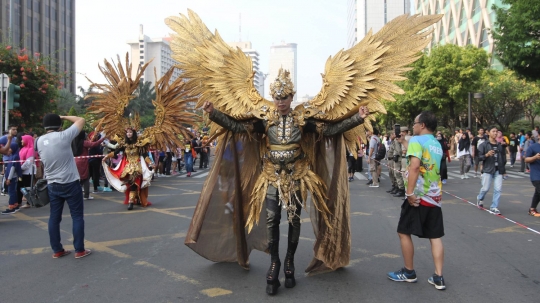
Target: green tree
x=142, y=103
x=83, y=99
x=440, y=82
x=517, y=36
x=529, y=95
x=39, y=86
x=65, y=101
x=72, y=112
x=500, y=105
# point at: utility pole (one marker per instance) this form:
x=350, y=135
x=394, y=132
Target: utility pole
x=476, y=96
x=469, y=116
x=4, y=84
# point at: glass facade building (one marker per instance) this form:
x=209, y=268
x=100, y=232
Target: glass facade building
x=365, y=15
x=465, y=22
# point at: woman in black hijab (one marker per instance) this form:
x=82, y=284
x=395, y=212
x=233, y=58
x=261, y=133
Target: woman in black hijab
x=444, y=145
x=464, y=155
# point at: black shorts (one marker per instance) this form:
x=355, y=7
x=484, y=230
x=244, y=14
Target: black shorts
x=476, y=161
x=421, y=221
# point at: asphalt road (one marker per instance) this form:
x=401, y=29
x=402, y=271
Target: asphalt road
x=140, y=256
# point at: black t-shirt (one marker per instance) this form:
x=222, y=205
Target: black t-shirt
x=476, y=142
x=495, y=148
x=514, y=143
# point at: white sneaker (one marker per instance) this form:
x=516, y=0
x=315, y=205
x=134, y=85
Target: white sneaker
x=462, y=177
x=479, y=203
x=495, y=210
x=90, y=198
x=374, y=185
x=466, y=176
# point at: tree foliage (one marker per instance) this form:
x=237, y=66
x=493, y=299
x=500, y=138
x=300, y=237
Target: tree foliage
x=440, y=82
x=72, y=112
x=65, y=101
x=501, y=104
x=529, y=96
x=83, y=100
x=39, y=86
x=142, y=103
x=517, y=36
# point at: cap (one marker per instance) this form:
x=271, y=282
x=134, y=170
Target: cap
x=404, y=129
x=52, y=121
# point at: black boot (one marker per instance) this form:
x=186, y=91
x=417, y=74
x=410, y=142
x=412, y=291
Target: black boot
x=396, y=189
x=130, y=206
x=391, y=190
x=272, y=276
x=288, y=267
x=400, y=193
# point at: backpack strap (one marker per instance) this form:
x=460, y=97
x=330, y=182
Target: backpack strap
x=35, y=144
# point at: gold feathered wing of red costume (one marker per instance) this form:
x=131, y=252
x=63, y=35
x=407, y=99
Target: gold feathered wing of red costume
x=172, y=104
x=362, y=75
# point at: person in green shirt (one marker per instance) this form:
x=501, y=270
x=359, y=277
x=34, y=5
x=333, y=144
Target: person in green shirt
x=421, y=213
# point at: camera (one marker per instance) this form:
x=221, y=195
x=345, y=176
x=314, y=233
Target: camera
x=397, y=130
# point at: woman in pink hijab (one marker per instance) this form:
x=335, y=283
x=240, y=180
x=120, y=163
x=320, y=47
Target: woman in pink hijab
x=502, y=139
x=27, y=155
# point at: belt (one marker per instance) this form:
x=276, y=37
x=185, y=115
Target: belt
x=283, y=155
x=287, y=147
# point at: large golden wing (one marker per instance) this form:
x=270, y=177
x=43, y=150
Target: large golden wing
x=110, y=100
x=365, y=74
x=173, y=104
x=214, y=71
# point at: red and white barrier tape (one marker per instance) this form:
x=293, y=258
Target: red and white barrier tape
x=79, y=157
x=474, y=204
x=38, y=160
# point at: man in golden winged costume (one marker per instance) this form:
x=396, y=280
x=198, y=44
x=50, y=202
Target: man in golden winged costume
x=277, y=154
x=133, y=175
x=286, y=175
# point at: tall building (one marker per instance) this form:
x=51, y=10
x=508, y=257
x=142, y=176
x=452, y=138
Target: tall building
x=157, y=50
x=46, y=27
x=465, y=22
x=363, y=15
x=282, y=56
x=246, y=47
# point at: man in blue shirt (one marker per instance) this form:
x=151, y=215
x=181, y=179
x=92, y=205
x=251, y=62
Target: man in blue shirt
x=12, y=169
x=533, y=158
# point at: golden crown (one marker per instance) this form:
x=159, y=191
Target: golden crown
x=282, y=86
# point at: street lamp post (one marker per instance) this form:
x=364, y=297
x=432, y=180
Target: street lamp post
x=476, y=96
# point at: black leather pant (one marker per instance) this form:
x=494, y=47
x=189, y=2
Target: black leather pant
x=273, y=218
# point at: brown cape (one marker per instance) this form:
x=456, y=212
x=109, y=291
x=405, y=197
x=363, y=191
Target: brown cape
x=220, y=235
